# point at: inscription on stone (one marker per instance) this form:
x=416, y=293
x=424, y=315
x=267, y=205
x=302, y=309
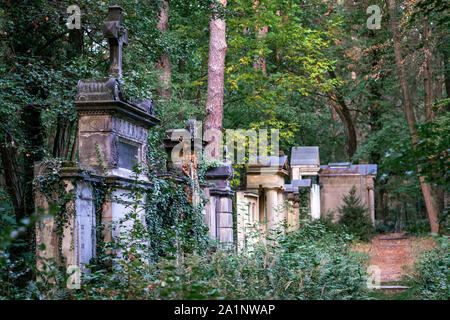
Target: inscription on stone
x=128, y=155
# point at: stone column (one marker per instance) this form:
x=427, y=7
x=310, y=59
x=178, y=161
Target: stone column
x=271, y=206
x=372, y=204
x=280, y=210
x=242, y=215
x=221, y=195
x=315, y=201
x=75, y=246
x=224, y=214
x=290, y=214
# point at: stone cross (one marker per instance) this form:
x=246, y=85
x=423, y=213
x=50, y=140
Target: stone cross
x=117, y=37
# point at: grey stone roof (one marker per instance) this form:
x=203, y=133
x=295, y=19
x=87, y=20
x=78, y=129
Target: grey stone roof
x=346, y=168
x=267, y=161
x=305, y=156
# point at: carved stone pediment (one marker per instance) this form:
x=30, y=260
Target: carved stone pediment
x=107, y=89
x=146, y=105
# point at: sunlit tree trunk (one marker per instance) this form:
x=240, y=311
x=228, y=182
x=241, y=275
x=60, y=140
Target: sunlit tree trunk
x=430, y=202
x=428, y=74
x=338, y=103
x=163, y=65
x=260, y=61
x=216, y=69
x=61, y=146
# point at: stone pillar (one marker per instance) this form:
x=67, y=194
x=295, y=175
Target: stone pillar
x=271, y=208
x=76, y=244
x=315, y=201
x=247, y=219
x=290, y=214
x=221, y=205
x=224, y=212
x=371, y=204
x=242, y=216
x=280, y=209
x=112, y=135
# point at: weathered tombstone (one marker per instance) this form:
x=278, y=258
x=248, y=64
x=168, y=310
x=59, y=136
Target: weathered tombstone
x=292, y=195
x=247, y=207
x=112, y=135
x=219, y=210
x=113, y=130
x=265, y=177
x=305, y=164
x=337, y=180
x=184, y=149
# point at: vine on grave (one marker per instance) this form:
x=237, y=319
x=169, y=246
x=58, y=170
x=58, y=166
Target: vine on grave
x=60, y=201
x=303, y=194
x=100, y=194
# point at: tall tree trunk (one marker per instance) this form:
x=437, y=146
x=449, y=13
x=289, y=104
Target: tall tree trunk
x=338, y=102
x=430, y=203
x=216, y=69
x=428, y=73
x=260, y=61
x=375, y=124
x=61, y=143
x=12, y=174
x=446, y=60
x=439, y=77
x=65, y=122
x=31, y=117
x=163, y=65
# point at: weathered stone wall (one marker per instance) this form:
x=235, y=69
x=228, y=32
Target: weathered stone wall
x=78, y=235
x=219, y=209
x=334, y=187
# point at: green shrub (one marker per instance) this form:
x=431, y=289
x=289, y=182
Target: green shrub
x=431, y=279
x=354, y=216
x=418, y=227
x=311, y=263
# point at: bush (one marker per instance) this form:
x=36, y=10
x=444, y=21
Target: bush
x=431, y=279
x=418, y=227
x=311, y=263
x=355, y=218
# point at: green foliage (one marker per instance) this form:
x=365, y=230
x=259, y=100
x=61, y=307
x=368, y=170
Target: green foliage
x=354, y=216
x=431, y=280
x=419, y=227
x=429, y=154
x=311, y=263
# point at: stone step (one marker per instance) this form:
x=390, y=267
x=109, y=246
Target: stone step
x=396, y=238
x=392, y=287
x=393, y=245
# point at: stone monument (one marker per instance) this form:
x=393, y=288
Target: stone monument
x=112, y=135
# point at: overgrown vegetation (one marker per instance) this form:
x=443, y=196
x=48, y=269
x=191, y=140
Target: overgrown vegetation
x=311, y=263
x=311, y=69
x=354, y=216
x=431, y=279
x=161, y=251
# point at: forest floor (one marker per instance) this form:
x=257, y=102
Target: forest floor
x=394, y=254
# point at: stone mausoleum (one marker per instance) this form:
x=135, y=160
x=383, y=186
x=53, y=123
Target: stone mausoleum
x=269, y=202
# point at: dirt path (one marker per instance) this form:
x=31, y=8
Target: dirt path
x=393, y=254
